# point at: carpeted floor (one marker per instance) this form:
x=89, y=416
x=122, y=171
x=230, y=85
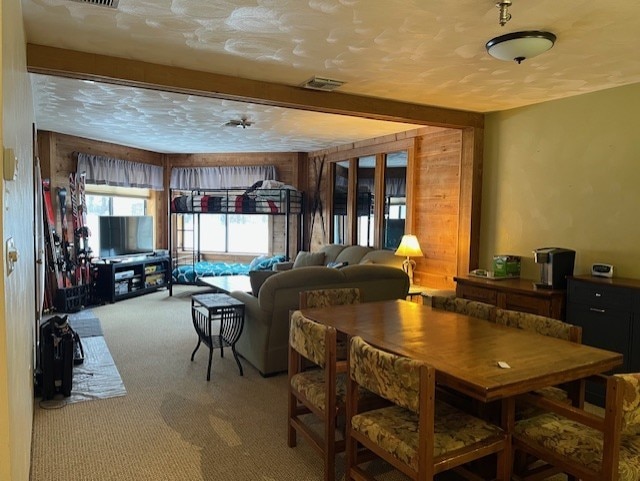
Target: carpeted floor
x=173, y=425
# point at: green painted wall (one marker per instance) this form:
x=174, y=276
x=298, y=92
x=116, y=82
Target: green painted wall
x=565, y=173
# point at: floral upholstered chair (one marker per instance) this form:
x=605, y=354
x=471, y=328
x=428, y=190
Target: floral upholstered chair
x=545, y=326
x=418, y=435
x=329, y=297
x=477, y=309
x=318, y=391
x=584, y=445
x=332, y=297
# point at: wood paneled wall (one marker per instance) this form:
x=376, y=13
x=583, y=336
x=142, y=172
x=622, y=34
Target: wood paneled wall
x=436, y=206
x=441, y=197
x=443, y=192
x=57, y=161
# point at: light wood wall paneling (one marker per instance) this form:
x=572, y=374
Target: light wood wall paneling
x=436, y=207
x=58, y=162
x=471, y=165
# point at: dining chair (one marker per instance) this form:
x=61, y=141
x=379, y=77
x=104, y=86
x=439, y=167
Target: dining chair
x=468, y=307
x=332, y=297
x=319, y=391
x=546, y=326
x=418, y=435
x=581, y=444
x=329, y=297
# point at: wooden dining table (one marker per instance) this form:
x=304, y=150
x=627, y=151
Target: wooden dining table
x=466, y=351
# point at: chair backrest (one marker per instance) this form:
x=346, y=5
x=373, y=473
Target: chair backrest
x=539, y=324
x=329, y=297
x=477, y=309
x=631, y=403
x=312, y=340
x=392, y=377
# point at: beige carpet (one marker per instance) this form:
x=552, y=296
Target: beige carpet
x=172, y=424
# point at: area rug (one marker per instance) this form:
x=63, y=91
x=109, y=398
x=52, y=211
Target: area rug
x=85, y=323
x=97, y=377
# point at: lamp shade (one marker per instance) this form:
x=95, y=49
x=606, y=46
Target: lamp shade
x=519, y=46
x=409, y=247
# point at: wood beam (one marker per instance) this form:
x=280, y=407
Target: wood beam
x=88, y=66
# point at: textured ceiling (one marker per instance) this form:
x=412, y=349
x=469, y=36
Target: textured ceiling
x=420, y=51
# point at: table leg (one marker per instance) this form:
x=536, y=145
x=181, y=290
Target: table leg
x=209, y=366
x=235, y=355
x=508, y=424
x=196, y=349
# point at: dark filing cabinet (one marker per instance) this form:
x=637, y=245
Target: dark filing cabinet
x=608, y=310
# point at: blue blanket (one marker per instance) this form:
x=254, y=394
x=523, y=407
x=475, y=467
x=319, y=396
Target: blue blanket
x=189, y=274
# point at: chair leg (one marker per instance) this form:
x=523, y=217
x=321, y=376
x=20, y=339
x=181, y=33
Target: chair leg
x=330, y=448
x=291, y=432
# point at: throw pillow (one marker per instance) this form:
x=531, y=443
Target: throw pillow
x=257, y=278
x=255, y=262
x=268, y=262
x=306, y=259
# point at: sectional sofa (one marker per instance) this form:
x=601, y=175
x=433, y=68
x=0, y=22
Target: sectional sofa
x=264, y=339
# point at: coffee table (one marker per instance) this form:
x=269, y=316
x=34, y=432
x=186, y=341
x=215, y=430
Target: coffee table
x=220, y=312
x=227, y=284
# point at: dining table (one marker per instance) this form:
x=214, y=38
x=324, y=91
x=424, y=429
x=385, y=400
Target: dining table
x=479, y=358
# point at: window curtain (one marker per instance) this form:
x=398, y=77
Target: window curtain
x=395, y=187
x=189, y=178
x=122, y=173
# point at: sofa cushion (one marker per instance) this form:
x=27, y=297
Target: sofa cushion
x=257, y=278
x=384, y=257
x=307, y=259
x=352, y=254
x=331, y=251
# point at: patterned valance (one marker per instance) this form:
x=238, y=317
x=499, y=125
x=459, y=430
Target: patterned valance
x=103, y=170
x=190, y=178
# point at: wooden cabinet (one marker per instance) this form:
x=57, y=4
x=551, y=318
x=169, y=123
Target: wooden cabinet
x=608, y=310
x=514, y=294
x=119, y=280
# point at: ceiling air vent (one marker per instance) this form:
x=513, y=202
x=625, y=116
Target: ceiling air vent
x=319, y=83
x=100, y=3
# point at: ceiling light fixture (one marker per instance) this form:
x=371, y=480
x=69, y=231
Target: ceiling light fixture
x=519, y=46
x=243, y=122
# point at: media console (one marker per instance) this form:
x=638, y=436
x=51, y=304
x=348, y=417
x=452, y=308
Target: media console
x=118, y=279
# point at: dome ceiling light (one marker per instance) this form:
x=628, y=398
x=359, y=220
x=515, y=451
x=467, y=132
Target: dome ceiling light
x=518, y=46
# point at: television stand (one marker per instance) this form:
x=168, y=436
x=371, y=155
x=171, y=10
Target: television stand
x=124, y=278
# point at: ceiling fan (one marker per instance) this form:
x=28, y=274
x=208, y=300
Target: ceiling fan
x=243, y=122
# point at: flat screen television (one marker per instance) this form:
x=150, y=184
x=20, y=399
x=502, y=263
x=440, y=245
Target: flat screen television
x=125, y=235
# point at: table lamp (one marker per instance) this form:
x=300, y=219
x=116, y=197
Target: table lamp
x=409, y=247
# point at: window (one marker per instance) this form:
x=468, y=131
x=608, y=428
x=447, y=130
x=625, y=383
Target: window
x=228, y=233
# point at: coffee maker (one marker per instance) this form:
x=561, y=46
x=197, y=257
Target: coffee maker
x=556, y=264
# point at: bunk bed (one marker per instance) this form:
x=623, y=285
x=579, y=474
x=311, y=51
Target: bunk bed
x=188, y=264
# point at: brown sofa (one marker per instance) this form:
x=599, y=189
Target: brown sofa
x=266, y=327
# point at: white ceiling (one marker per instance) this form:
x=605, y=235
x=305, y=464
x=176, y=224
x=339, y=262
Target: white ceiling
x=427, y=52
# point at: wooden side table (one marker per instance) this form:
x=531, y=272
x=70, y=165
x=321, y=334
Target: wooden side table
x=209, y=310
x=515, y=294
